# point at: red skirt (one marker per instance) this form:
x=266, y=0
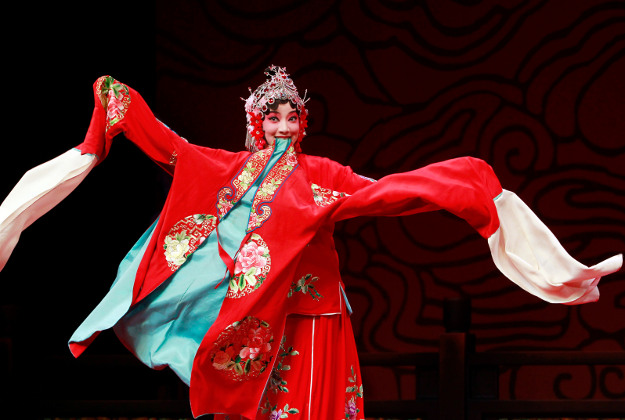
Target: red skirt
x=316, y=374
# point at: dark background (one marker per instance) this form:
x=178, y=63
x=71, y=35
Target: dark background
x=535, y=88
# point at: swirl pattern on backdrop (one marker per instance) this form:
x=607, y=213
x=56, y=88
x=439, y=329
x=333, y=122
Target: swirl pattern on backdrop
x=533, y=87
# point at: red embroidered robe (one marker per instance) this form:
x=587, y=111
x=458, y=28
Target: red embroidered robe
x=292, y=217
x=294, y=212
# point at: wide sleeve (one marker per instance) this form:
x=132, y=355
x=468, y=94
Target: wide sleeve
x=118, y=109
x=522, y=247
x=463, y=186
x=37, y=192
x=529, y=254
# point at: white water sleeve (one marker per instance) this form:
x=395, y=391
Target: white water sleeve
x=38, y=191
x=529, y=254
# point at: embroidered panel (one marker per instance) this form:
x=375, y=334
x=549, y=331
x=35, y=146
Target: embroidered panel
x=242, y=351
x=185, y=237
x=251, y=267
x=115, y=98
x=253, y=167
x=266, y=192
x=324, y=196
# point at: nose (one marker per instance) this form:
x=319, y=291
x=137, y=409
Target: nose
x=283, y=127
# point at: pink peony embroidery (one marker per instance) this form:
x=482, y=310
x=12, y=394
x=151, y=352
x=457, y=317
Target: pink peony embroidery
x=115, y=98
x=291, y=159
x=250, y=256
x=351, y=409
x=251, y=267
x=243, y=350
x=253, y=220
x=355, y=390
x=222, y=360
x=275, y=415
x=256, y=344
x=224, y=207
x=115, y=108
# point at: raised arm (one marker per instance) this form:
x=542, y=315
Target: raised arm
x=522, y=247
x=118, y=109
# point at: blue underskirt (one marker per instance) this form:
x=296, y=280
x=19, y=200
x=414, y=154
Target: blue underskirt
x=167, y=326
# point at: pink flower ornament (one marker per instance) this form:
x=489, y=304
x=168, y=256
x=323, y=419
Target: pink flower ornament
x=221, y=360
x=251, y=267
x=351, y=410
x=251, y=260
x=115, y=107
x=275, y=415
x=241, y=351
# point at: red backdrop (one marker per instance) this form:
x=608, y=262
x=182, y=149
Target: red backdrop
x=534, y=88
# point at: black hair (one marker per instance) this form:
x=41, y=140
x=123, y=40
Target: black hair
x=274, y=106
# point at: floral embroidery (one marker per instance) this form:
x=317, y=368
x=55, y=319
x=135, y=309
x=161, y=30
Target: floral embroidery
x=291, y=159
x=355, y=390
x=253, y=167
x=241, y=351
x=325, y=196
x=185, y=237
x=305, y=285
x=278, y=384
x=276, y=413
x=246, y=177
x=279, y=172
x=276, y=381
x=251, y=267
x=351, y=409
x=115, y=98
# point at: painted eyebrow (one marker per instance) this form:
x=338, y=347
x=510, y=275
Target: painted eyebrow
x=277, y=113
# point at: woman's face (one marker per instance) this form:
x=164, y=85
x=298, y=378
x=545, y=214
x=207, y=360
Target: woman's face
x=281, y=123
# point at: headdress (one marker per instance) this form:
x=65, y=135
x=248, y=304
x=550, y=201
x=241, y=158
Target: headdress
x=278, y=87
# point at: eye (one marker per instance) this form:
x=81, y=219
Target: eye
x=272, y=118
x=293, y=118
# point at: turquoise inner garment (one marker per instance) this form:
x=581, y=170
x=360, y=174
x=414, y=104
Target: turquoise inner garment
x=167, y=327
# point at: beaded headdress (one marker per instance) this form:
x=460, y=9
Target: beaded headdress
x=278, y=87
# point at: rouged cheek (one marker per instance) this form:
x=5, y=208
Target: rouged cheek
x=268, y=126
